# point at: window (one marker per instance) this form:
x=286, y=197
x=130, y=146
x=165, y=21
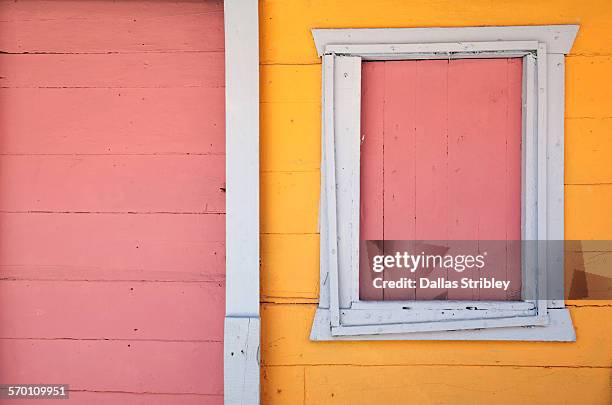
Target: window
x=530, y=127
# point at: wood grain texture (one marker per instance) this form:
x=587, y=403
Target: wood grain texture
x=280, y=385
x=289, y=202
x=589, y=143
x=112, y=310
x=112, y=247
x=451, y=163
x=175, y=184
x=66, y=9
x=286, y=37
x=443, y=384
x=130, y=70
x=586, y=94
x=278, y=83
x=291, y=346
x=288, y=141
x=107, y=27
x=112, y=121
x=112, y=224
x=241, y=360
x=587, y=210
x=399, y=175
x=289, y=269
x=290, y=63
x=371, y=208
x=431, y=183
x=118, y=366
x=136, y=398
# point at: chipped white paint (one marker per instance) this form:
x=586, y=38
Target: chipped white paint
x=241, y=361
x=559, y=38
x=560, y=329
x=242, y=327
x=374, y=319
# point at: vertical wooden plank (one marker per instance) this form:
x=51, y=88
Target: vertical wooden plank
x=464, y=110
x=529, y=180
x=371, y=207
x=495, y=209
x=514, y=179
x=431, y=168
x=399, y=163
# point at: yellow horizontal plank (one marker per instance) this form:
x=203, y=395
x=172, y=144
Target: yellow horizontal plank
x=290, y=84
x=588, y=147
x=282, y=385
x=285, y=25
x=289, y=202
x=290, y=269
x=289, y=266
x=290, y=136
x=286, y=329
x=456, y=385
x=587, y=212
x=588, y=88
x=588, y=276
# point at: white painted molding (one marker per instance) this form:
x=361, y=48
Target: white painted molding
x=242, y=325
x=560, y=329
x=551, y=321
x=241, y=361
x=558, y=38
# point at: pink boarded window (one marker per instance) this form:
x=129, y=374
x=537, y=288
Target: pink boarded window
x=441, y=160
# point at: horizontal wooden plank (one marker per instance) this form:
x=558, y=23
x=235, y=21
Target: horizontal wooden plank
x=93, y=26
x=112, y=310
x=286, y=37
x=290, y=84
x=300, y=254
x=124, y=366
x=588, y=277
x=71, y=10
x=289, y=266
x=290, y=136
x=589, y=206
x=282, y=385
x=126, y=398
x=588, y=147
x=588, y=92
x=286, y=342
x=289, y=202
x=113, y=121
x=113, y=183
x=112, y=246
x=455, y=385
x=187, y=69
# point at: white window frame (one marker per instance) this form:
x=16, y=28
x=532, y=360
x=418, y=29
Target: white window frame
x=341, y=315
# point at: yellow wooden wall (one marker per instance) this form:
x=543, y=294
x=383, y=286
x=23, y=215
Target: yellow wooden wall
x=297, y=371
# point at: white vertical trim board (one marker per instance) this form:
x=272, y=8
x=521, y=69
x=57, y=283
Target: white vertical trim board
x=242, y=326
x=331, y=250
x=340, y=314
x=347, y=105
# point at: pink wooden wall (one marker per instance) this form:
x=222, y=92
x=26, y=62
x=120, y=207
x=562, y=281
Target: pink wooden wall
x=441, y=160
x=112, y=201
